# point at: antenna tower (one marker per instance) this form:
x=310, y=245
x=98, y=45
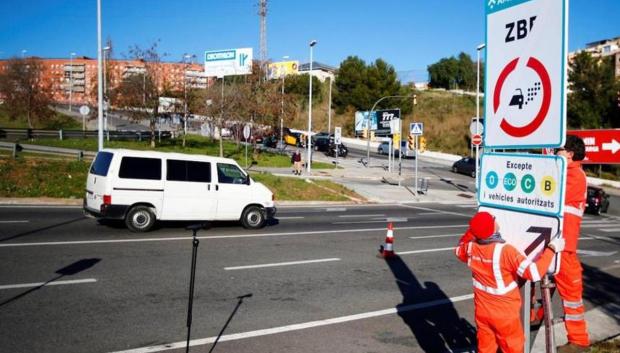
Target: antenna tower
x=262, y=12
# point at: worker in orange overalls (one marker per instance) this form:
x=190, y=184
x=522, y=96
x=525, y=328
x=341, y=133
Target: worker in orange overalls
x=569, y=278
x=495, y=268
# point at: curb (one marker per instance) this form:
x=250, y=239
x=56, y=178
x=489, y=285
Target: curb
x=40, y=201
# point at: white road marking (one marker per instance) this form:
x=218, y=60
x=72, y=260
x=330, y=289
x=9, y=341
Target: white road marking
x=39, y=206
x=300, y=326
x=384, y=220
x=427, y=213
x=595, y=253
x=467, y=206
x=438, y=211
x=424, y=251
x=438, y=236
x=280, y=264
x=4, y=222
x=232, y=236
x=291, y=217
x=53, y=283
x=598, y=224
x=610, y=230
x=336, y=209
x=361, y=215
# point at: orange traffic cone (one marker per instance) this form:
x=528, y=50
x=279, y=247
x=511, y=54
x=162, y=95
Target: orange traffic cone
x=387, y=249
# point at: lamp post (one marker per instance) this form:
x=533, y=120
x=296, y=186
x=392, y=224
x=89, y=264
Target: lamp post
x=99, y=80
x=478, y=49
x=329, y=110
x=24, y=53
x=71, y=85
x=309, y=143
x=186, y=56
x=285, y=57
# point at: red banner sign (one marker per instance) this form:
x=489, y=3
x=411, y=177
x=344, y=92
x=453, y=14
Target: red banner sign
x=602, y=146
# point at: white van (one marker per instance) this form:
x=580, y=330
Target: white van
x=141, y=187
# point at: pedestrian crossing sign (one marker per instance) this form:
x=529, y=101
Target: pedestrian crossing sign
x=416, y=128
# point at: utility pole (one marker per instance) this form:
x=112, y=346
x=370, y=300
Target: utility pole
x=262, y=12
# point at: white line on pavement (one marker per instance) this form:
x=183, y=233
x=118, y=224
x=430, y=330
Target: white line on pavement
x=4, y=222
x=423, y=251
x=301, y=326
x=439, y=211
x=232, y=236
x=336, y=209
x=438, y=236
x=361, y=215
x=291, y=217
x=53, y=283
x=385, y=220
x=427, y=213
x=280, y=264
x=38, y=206
x=610, y=230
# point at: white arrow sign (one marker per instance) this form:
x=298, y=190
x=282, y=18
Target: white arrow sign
x=612, y=146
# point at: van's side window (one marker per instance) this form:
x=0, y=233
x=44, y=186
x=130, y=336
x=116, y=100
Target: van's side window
x=140, y=168
x=229, y=174
x=188, y=171
x=101, y=164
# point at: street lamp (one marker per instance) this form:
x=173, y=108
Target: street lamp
x=309, y=143
x=24, y=53
x=478, y=49
x=186, y=56
x=285, y=57
x=99, y=81
x=71, y=85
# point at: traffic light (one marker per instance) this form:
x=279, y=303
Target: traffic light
x=365, y=133
x=422, y=144
x=411, y=142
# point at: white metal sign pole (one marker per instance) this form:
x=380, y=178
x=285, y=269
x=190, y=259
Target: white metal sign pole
x=400, y=146
x=416, y=165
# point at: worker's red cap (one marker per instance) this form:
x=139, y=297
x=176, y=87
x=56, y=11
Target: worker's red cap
x=482, y=225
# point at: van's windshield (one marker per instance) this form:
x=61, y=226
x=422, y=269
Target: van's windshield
x=101, y=164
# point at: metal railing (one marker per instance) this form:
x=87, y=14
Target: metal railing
x=17, y=148
x=28, y=134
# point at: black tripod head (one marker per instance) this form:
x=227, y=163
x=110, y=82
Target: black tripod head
x=196, y=227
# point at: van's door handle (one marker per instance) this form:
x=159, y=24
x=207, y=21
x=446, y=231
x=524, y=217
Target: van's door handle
x=217, y=187
x=209, y=187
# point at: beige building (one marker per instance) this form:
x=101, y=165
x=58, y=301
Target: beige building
x=600, y=49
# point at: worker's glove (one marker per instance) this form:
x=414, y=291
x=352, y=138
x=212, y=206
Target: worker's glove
x=557, y=244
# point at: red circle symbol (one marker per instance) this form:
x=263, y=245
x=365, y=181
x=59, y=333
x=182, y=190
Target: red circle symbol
x=476, y=140
x=527, y=129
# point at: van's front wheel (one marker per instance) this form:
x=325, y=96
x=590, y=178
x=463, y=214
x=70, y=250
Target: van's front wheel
x=140, y=219
x=253, y=217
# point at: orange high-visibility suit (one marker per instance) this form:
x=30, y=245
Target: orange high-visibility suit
x=495, y=270
x=569, y=279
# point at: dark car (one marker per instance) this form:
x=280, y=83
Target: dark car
x=270, y=141
x=465, y=165
x=342, y=150
x=597, y=200
x=321, y=144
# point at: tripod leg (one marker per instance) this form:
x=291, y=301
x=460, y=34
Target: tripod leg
x=545, y=286
x=192, y=277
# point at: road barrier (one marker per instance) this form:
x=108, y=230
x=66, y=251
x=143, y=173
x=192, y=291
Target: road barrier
x=29, y=134
x=59, y=151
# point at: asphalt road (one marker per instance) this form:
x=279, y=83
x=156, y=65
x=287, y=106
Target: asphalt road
x=315, y=281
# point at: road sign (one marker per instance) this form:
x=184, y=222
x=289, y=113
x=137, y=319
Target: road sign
x=520, y=182
x=416, y=128
x=526, y=73
x=602, y=146
x=228, y=62
x=476, y=140
x=383, y=119
x=395, y=126
x=246, y=132
x=476, y=126
x=84, y=110
x=337, y=135
x=528, y=233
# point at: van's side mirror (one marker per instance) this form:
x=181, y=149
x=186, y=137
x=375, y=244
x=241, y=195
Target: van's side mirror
x=247, y=180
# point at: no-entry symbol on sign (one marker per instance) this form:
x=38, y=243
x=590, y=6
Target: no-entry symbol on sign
x=526, y=64
x=476, y=140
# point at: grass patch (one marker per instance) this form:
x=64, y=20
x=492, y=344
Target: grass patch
x=194, y=145
x=54, y=121
x=611, y=346
x=296, y=189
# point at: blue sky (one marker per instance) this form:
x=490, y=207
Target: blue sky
x=409, y=34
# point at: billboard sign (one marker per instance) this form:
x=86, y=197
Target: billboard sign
x=383, y=119
x=602, y=146
x=526, y=73
x=521, y=182
x=362, y=120
x=228, y=62
x=281, y=69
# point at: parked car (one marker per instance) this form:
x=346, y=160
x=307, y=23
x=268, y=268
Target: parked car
x=321, y=143
x=465, y=165
x=384, y=148
x=597, y=200
x=142, y=187
x=343, y=151
x=270, y=141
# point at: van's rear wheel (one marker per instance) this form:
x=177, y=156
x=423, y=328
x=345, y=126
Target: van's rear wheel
x=253, y=217
x=140, y=219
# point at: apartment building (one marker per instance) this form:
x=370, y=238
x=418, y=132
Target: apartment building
x=600, y=49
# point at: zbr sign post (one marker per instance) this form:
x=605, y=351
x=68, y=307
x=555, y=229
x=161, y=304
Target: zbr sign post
x=526, y=73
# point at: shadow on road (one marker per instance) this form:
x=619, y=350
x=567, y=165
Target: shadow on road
x=601, y=288
x=239, y=302
x=43, y=229
x=69, y=270
x=438, y=326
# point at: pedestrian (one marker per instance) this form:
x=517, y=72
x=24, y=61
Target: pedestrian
x=296, y=161
x=496, y=268
x=569, y=278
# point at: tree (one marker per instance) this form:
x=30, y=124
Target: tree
x=140, y=91
x=592, y=101
x=20, y=87
x=452, y=73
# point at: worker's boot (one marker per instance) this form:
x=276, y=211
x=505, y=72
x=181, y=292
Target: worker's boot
x=571, y=348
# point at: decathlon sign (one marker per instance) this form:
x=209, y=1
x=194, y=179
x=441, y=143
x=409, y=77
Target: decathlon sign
x=526, y=73
x=526, y=183
x=228, y=62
